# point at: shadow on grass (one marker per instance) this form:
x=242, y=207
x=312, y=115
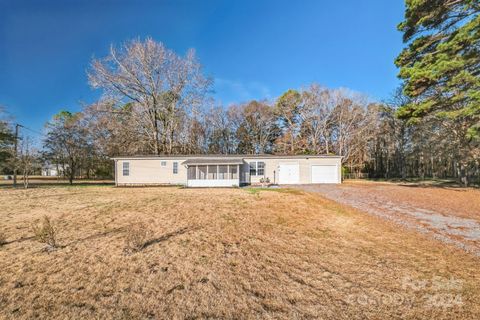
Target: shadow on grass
x=97, y=235
x=167, y=236
x=59, y=184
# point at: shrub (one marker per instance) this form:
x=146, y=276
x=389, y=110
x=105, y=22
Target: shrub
x=138, y=236
x=3, y=239
x=264, y=181
x=46, y=233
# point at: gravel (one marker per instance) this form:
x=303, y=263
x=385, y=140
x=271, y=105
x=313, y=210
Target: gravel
x=443, y=226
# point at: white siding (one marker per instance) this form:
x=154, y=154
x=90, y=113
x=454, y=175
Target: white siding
x=151, y=171
x=305, y=167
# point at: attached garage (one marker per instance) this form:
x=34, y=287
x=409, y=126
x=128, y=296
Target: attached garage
x=325, y=174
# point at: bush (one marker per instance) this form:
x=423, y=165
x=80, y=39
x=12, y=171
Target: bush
x=3, y=239
x=138, y=236
x=265, y=181
x=46, y=233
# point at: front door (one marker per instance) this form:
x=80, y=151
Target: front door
x=289, y=173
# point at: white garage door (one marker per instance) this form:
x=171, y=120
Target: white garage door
x=289, y=173
x=325, y=174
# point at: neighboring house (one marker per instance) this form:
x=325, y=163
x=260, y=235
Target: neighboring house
x=49, y=171
x=226, y=170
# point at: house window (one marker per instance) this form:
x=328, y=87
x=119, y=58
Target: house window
x=260, y=168
x=253, y=168
x=257, y=168
x=163, y=163
x=126, y=168
x=175, y=167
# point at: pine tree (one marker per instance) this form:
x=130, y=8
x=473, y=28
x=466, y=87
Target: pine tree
x=441, y=64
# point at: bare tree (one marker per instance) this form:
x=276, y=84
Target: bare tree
x=317, y=118
x=26, y=160
x=257, y=129
x=161, y=86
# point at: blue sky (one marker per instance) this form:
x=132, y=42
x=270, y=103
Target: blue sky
x=253, y=49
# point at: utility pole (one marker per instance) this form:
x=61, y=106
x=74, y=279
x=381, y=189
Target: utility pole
x=15, y=155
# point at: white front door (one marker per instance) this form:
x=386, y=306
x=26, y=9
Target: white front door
x=289, y=173
x=325, y=174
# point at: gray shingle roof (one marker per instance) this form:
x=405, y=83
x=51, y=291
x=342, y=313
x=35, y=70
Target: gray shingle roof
x=212, y=161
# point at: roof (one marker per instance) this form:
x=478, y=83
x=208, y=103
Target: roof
x=207, y=161
x=223, y=156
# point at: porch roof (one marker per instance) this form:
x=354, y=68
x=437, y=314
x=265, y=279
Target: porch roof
x=210, y=161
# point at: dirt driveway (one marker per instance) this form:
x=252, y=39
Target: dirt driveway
x=451, y=215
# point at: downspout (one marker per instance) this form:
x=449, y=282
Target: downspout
x=116, y=182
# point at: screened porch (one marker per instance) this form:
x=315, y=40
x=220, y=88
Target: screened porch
x=213, y=172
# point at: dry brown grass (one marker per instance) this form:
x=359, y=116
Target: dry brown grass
x=461, y=202
x=223, y=253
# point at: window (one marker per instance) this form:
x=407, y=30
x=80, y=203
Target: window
x=260, y=168
x=126, y=168
x=257, y=168
x=253, y=168
x=163, y=163
x=175, y=167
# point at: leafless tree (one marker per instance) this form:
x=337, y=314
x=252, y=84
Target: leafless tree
x=317, y=118
x=257, y=129
x=160, y=85
x=27, y=156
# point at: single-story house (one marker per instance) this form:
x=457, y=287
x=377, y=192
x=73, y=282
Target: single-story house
x=51, y=170
x=226, y=170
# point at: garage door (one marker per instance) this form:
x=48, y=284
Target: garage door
x=289, y=173
x=325, y=174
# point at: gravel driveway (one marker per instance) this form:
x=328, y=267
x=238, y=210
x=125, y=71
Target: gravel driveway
x=401, y=205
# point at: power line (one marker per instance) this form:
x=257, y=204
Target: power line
x=34, y=131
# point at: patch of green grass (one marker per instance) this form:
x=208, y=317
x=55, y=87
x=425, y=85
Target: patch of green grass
x=253, y=191
x=257, y=190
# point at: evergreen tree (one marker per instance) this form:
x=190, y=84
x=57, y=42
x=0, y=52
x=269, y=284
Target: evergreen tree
x=441, y=64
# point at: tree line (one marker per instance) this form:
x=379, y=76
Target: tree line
x=155, y=101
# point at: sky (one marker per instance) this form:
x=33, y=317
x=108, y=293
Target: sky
x=253, y=49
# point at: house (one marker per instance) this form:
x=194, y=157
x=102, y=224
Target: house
x=226, y=170
x=51, y=170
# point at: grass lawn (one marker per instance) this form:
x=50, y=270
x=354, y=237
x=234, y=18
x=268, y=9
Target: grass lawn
x=222, y=253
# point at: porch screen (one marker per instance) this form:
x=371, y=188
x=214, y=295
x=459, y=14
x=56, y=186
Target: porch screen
x=192, y=171
x=222, y=172
x=202, y=172
x=233, y=172
x=212, y=172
